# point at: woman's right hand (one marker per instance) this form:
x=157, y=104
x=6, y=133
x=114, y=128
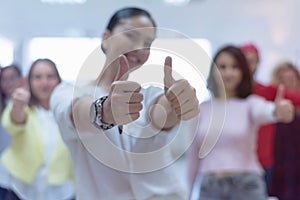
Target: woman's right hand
x=125, y=100
x=20, y=99
x=284, y=109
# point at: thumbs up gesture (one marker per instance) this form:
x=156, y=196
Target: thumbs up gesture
x=284, y=110
x=20, y=98
x=124, y=101
x=180, y=94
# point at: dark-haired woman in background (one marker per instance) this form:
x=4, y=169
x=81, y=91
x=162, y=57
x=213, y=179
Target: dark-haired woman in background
x=223, y=156
x=10, y=79
x=37, y=160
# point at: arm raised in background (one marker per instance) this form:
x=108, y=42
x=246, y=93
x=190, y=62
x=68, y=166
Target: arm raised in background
x=269, y=92
x=20, y=99
x=284, y=109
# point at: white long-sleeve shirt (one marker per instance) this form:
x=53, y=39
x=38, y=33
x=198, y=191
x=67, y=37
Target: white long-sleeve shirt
x=107, y=165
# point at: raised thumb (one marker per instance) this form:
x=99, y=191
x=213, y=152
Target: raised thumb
x=168, y=78
x=280, y=93
x=123, y=69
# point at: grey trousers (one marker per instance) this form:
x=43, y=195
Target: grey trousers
x=241, y=186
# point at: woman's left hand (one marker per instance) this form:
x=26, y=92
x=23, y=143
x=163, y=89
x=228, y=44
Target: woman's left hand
x=284, y=109
x=180, y=94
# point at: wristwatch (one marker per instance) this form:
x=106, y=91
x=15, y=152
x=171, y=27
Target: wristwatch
x=96, y=113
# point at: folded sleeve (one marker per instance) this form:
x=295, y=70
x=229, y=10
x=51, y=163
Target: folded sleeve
x=11, y=127
x=262, y=111
x=61, y=105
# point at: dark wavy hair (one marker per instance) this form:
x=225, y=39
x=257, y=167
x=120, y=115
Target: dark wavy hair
x=245, y=87
x=126, y=13
x=18, y=71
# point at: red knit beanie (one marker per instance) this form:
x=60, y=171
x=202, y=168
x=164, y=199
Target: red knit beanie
x=249, y=47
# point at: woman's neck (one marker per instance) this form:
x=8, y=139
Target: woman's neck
x=230, y=94
x=45, y=105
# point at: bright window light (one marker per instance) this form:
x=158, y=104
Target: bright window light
x=7, y=52
x=69, y=54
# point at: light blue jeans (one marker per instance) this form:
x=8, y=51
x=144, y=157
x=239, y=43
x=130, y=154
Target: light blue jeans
x=241, y=186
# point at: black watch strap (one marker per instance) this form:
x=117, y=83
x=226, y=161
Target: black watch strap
x=96, y=114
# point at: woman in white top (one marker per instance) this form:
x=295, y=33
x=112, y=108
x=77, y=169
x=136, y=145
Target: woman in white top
x=116, y=130
x=37, y=160
x=222, y=160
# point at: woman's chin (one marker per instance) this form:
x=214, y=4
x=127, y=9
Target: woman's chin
x=134, y=67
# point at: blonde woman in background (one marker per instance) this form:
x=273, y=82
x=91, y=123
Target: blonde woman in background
x=286, y=175
x=286, y=73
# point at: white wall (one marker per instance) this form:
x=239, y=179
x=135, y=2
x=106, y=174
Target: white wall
x=271, y=24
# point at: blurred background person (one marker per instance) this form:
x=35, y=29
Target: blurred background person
x=1, y=94
x=229, y=168
x=265, y=135
x=37, y=160
x=10, y=79
x=1, y=104
x=285, y=182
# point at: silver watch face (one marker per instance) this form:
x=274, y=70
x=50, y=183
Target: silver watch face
x=92, y=113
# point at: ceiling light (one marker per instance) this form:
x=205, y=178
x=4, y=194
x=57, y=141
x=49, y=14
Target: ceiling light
x=177, y=2
x=64, y=1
